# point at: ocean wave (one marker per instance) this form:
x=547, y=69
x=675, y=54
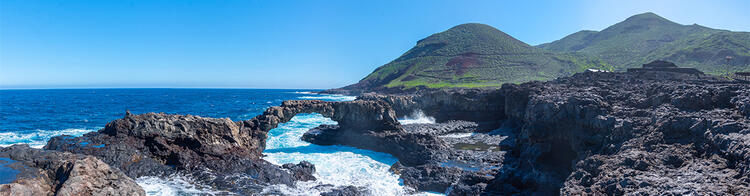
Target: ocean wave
x=457, y=135
x=174, y=185
x=329, y=97
x=341, y=168
x=417, y=117
x=335, y=165
x=288, y=135
x=37, y=138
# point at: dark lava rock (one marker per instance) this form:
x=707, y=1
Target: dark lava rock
x=44, y=172
x=227, y=153
x=409, y=148
x=598, y=133
x=649, y=133
x=742, y=102
x=482, y=106
x=182, y=141
x=302, y=171
x=218, y=152
x=452, y=126
x=427, y=162
x=429, y=177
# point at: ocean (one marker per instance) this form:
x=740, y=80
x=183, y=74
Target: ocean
x=34, y=116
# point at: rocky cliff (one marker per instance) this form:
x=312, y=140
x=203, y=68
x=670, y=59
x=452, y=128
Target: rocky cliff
x=40, y=172
x=647, y=132
x=483, y=106
x=636, y=133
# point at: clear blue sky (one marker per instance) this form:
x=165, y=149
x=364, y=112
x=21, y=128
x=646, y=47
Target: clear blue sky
x=277, y=44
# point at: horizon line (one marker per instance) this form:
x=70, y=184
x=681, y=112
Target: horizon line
x=85, y=88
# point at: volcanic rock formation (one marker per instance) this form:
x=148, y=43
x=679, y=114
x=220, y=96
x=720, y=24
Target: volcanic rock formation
x=41, y=172
x=224, y=154
x=219, y=152
x=651, y=132
x=598, y=133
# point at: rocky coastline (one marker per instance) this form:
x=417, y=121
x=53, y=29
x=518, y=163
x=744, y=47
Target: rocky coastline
x=648, y=132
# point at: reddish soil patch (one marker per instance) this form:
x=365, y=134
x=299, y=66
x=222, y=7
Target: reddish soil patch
x=463, y=62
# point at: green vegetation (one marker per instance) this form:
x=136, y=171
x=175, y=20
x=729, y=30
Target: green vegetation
x=474, y=55
x=647, y=37
x=477, y=55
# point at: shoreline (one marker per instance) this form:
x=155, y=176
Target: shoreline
x=572, y=135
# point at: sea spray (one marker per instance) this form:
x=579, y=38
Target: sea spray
x=329, y=97
x=324, y=97
x=335, y=165
x=37, y=138
x=417, y=117
x=173, y=185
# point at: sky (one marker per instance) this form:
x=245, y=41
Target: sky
x=278, y=44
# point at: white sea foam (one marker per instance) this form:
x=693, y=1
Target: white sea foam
x=457, y=135
x=335, y=165
x=37, y=138
x=173, y=185
x=343, y=168
x=329, y=97
x=417, y=117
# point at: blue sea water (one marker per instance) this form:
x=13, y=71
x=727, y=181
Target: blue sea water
x=34, y=116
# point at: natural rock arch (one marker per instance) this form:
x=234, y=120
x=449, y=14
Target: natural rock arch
x=369, y=125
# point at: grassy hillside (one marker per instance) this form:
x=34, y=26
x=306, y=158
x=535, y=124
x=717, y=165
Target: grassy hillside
x=474, y=55
x=646, y=37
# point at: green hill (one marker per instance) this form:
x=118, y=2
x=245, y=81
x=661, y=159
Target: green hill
x=478, y=55
x=646, y=37
x=473, y=55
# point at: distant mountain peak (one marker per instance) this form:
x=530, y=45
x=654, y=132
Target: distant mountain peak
x=646, y=15
x=472, y=38
x=647, y=36
x=476, y=30
x=648, y=18
x=472, y=25
x=470, y=55
x=473, y=28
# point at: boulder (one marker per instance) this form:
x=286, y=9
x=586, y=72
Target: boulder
x=45, y=172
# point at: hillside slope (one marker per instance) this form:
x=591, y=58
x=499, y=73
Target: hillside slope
x=646, y=37
x=472, y=55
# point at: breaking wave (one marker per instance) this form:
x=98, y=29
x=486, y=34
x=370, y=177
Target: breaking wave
x=335, y=165
x=37, y=138
x=174, y=185
x=417, y=117
x=326, y=97
x=457, y=135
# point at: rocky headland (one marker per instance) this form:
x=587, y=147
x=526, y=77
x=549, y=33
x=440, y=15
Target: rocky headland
x=645, y=132
x=223, y=154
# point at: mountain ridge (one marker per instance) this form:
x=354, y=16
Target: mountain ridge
x=474, y=55
x=646, y=37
